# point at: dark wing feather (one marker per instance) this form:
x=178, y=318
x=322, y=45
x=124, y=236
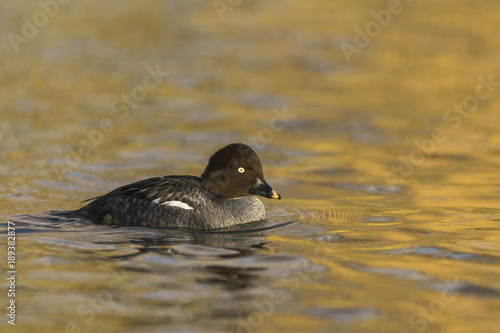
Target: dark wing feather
x=140, y=202
x=163, y=188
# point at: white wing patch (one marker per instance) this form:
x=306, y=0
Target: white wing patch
x=179, y=204
x=173, y=203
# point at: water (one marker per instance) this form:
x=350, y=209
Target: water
x=389, y=220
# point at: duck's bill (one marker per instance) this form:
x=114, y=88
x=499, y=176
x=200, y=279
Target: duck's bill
x=263, y=189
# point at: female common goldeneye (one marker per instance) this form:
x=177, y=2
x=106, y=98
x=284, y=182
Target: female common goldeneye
x=220, y=198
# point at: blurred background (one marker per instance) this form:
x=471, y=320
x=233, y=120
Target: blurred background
x=377, y=122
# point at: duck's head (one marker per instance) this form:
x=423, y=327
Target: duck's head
x=235, y=171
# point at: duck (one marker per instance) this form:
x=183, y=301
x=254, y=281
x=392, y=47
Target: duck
x=225, y=195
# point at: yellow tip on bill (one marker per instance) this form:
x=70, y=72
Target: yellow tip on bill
x=275, y=195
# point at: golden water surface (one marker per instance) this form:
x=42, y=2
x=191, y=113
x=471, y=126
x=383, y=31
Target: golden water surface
x=377, y=121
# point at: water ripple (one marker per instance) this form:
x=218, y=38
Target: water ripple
x=439, y=252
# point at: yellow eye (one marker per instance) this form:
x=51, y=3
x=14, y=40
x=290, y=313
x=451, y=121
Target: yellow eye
x=241, y=170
